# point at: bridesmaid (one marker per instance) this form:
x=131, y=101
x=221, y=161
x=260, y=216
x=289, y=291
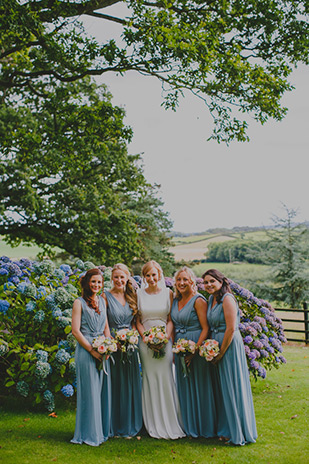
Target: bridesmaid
x=161, y=412
x=126, y=418
x=189, y=315
x=93, y=386
x=236, y=419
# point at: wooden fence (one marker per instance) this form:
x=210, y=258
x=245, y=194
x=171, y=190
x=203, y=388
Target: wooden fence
x=302, y=319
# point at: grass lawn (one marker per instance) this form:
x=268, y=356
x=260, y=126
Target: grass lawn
x=281, y=405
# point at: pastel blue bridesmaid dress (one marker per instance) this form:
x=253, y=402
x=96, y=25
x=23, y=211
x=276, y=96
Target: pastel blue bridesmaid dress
x=93, y=386
x=195, y=390
x=236, y=419
x=126, y=415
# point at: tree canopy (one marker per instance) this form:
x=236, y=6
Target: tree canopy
x=234, y=54
x=66, y=178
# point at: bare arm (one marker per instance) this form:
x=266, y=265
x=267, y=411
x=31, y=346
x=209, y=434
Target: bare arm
x=76, y=321
x=169, y=322
x=230, y=313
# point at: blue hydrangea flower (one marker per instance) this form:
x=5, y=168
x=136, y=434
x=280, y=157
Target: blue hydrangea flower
x=67, y=312
x=5, y=259
x=50, y=301
x=66, y=269
x=89, y=265
x=72, y=367
x=248, y=339
x=3, y=271
x=14, y=279
x=61, y=296
x=30, y=306
x=42, y=369
x=63, y=322
x=282, y=359
x=64, y=344
x=44, y=267
x=42, y=355
x=62, y=356
x=71, y=289
x=49, y=400
x=59, y=274
x=57, y=312
x=14, y=270
x=30, y=291
x=79, y=264
x=22, y=388
x=4, y=306
x=67, y=390
x=39, y=316
x=41, y=291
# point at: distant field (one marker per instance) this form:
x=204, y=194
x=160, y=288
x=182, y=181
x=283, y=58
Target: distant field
x=238, y=272
x=21, y=251
x=194, y=247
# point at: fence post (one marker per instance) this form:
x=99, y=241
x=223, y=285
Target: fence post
x=306, y=320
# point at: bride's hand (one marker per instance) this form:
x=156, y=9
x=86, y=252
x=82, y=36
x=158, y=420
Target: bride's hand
x=157, y=348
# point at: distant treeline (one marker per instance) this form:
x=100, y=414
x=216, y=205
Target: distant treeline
x=236, y=250
x=223, y=231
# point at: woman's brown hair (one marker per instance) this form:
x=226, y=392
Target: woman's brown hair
x=87, y=294
x=220, y=278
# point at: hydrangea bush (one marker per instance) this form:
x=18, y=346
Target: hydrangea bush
x=36, y=343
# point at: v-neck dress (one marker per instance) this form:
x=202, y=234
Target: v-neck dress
x=93, y=386
x=126, y=414
x=195, y=391
x=236, y=419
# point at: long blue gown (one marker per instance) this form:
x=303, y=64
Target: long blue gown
x=93, y=386
x=126, y=416
x=195, y=391
x=236, y=419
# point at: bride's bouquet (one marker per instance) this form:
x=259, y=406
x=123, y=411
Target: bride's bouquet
x=156, y=338
x=127, y=340
x=209, y=349
x=183, y=348
x=105, y=346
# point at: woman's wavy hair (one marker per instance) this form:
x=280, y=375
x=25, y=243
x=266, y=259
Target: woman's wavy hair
x=86, y=292
x=220, y=278
x=147, y=266
x=192, y=278
x=129, y=292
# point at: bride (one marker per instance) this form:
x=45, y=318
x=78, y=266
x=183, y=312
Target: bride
x=160, y=405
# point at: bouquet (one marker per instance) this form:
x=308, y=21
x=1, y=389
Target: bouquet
x=183, y=348
x=209, y=349
x=105, y=346
x=156, y=337
x=128, y=341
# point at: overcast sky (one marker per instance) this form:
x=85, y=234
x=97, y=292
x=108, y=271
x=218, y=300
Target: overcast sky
x=206, y=185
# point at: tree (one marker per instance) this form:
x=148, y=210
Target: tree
x=234, y=54
x=287, y=252
x=66, y=178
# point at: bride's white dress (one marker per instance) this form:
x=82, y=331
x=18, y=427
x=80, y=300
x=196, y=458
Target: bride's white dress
x=161, y=411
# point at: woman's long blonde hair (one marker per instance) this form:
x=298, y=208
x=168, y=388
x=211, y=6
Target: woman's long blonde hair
x=129, y=292
x=192, y=278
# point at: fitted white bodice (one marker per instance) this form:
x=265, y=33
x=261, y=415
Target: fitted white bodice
x=154, y=308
